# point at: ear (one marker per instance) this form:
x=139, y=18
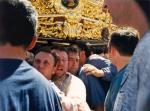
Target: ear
x=113, y=51
x=32, y=44
x=54, y=70
x=82, y=53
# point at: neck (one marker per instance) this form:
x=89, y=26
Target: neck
x=122, y=61
x=9, y=52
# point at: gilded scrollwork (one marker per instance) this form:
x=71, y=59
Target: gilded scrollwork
x=81, y=19
x=72, y=25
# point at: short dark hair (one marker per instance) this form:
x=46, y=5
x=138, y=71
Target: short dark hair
x=98, y=50
x=48, y=50
x=84, y=47
x=72, y=49
x=18, y=22
x=124, y=41
x=145, y=5
x=58, y=47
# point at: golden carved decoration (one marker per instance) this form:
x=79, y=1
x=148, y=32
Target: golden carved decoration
x=85, y=21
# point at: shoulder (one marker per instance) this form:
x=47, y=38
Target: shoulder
x=30, y=71
x=34, y=77
x=97, y=60
x=76, y=82
x=39, y=88
x=76, y=79
x=96, y=57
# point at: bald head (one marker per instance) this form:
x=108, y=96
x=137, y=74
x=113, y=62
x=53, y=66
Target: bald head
x=129, y=13
x=145, y=5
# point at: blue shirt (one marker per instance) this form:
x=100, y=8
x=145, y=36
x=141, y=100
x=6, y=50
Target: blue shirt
x=97, y=87
x=113, y=90
x=134, y=93
x=23, y=88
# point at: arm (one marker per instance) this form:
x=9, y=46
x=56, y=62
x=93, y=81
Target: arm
x=92, y=70
x=107, y=72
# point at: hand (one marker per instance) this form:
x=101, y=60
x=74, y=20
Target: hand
x=92, y=70
x=83, y=106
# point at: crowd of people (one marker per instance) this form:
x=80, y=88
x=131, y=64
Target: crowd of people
x=76, y=77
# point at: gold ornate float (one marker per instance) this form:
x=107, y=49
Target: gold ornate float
x=72, y=19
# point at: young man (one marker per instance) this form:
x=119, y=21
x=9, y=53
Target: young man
x=134, y=92
x=22, y=88
x=121, y=47
x=73, y=60
x=65, y=81
x=72, y=86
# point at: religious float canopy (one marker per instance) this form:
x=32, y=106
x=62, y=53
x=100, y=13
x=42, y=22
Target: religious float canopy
x=72, y=19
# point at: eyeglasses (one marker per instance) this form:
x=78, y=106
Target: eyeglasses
x=73, y=59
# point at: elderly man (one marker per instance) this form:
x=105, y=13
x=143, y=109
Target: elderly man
x=134, y=93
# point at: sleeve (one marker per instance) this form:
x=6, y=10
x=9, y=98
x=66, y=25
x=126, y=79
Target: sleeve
x=110, y=72
x=95, y=93
x=44, y=98
x=104, y=64
x=143, y=77
x=83, y=77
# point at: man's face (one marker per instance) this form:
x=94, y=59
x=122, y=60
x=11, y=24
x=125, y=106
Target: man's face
x=82, y=57
x=44, y=63
x=62, y=65
x=73, y=62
